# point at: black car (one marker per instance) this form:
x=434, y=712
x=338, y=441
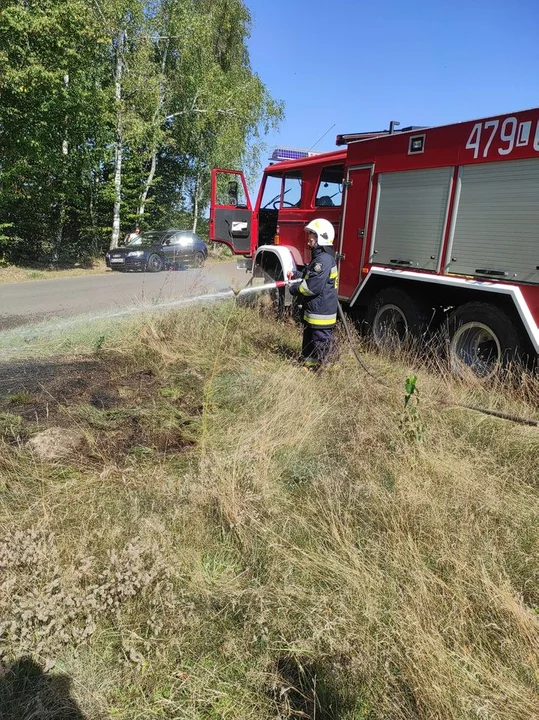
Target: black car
x=155, y=250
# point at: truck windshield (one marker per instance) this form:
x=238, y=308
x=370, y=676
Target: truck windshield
x=272, y=192
x=292, y=189
x=290, y=184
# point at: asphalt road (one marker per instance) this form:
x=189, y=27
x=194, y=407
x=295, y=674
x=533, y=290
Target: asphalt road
x=38, y=300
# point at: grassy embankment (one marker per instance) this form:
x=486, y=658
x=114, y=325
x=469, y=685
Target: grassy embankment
x=242, y=539
x=24, y=273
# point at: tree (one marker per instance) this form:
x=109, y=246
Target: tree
x=50, y=101
x=115, y=111
x=211, y=106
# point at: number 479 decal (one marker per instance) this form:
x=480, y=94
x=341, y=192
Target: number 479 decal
x=505, y=136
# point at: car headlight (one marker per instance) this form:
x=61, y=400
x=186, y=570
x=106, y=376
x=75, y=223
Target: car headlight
x=135, y=253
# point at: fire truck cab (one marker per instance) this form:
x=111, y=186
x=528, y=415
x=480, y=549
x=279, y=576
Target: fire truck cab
x=435, y=228
x=293, y=192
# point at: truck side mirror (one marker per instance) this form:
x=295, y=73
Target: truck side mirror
x=233, y=192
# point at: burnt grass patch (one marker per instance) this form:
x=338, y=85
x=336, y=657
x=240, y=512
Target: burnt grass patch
x=121, y=406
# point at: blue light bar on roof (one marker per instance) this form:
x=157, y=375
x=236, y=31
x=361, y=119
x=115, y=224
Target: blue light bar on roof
x=284, y=153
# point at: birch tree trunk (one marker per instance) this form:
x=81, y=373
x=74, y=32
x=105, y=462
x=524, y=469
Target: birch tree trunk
x=196, y=193
x=158, y=111
x=61, y=198
x=119, y=140
x=147, y=184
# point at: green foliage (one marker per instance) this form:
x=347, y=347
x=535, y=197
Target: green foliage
x=411, y=423
x=21, y=397
x=189, y=100
x=11, y=426
x=52, y=62
x=410, y=387
x=99, y=343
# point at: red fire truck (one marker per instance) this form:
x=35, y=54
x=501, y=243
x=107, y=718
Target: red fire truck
x=435, y=227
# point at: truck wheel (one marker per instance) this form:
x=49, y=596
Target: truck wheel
x=272, y=271
x=395, y=318
x=154, y=264
x=278, y=300
x=296, y=309
x=482, y=338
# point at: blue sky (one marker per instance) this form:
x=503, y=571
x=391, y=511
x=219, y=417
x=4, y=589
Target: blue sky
x=359, y=65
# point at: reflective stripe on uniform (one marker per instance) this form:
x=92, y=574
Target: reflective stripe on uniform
x=304, y=289
x=334, y=275
x=315, y=319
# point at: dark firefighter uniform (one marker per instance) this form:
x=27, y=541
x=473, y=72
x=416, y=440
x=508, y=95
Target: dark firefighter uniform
x=318, y=294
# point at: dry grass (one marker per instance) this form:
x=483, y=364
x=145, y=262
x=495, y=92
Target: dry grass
x=319, y=552
x=16, y=273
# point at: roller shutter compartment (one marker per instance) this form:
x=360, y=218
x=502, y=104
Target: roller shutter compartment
x=411, y=218
x=497, y=222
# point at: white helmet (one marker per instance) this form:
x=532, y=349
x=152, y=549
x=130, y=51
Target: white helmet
x=323, y=229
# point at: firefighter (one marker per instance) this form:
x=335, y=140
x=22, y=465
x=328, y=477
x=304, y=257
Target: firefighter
x=318, y=294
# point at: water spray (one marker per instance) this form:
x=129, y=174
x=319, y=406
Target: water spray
x=24, y=334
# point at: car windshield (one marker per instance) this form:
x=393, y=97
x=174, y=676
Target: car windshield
x=145, y=238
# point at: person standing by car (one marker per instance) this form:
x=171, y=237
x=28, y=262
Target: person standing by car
x=318, y=293
x=131, y=236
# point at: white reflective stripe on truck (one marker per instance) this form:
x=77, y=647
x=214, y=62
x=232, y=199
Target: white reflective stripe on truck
x=513, y=291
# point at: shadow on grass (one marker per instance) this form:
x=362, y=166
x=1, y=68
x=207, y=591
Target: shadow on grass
x=304, y=690
x=27, y=692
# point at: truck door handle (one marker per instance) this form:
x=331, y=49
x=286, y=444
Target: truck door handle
x=493, y=273
x=401, y=262
x=339, y=256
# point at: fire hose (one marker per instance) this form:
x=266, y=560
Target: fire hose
x=278, y=284
x=485, y=411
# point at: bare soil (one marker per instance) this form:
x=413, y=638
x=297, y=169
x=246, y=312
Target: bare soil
x=49, y=378
x=121, y=408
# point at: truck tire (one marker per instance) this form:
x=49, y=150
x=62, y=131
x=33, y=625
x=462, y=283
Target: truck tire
x=278, y=299
x=272, y=271
x=296, y=309
x=394, y=318
x=482, y=338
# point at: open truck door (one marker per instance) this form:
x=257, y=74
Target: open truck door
x=231, y=213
